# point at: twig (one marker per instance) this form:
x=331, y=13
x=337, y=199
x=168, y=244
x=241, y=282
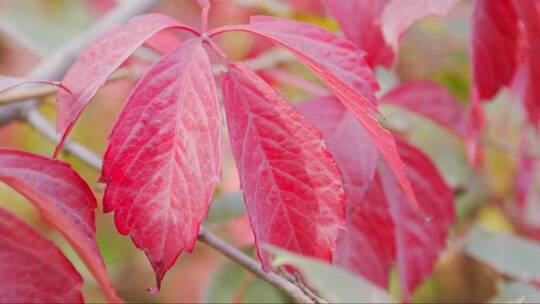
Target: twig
x=34, y=118
x=297, y=280
x=253, y=266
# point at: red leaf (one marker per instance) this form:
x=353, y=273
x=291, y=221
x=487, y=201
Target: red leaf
x=357, y=159
x=432, y=101
x=291, y=185
x=495, y=37
x=64, y=199
x=366, y=246
x=361, y=24
x=7, y=83
x=399, y=15
x=419, y=240
x=105, y=55
x=529, y=11
x=339, y=64
x=336, y=60
x=164, y=156
x=382, y=225
x=33, y=269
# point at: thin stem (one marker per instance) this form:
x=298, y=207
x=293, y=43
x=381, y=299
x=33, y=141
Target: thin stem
x=204, y=19
x=253, y=266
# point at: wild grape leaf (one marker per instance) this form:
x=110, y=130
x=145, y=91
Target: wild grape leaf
x=432, y=101
x=399, y=15
x=291, y=185
x=7, y=83
x=357, y=160
x=382, y=225
x=509, y=254
x=360, y=21
x=336, y=60
x=64, y=199
x=418, y=239
x=96, y=63
x=495, y=37
x=366, y=247
x=340, y=65
x=164, y=156
x=529, y=12
x=33, y=269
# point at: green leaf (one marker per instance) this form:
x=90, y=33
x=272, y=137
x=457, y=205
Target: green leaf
x=231, y=280
x=225, y=284
x=332, y=283
x=259, y=291
x=516, y=292
x=509, y=254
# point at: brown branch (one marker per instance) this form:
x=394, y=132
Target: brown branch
x=294, y=291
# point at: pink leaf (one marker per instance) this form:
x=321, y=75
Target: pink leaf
x=366, y=246
x=419, y=240
x=336, y=60
x=291, y=185
x=105, y=55
x=360, y=21
x=432, y=101
x=7, y=83
x=382, y=225
x=399, y=15
x=529, y=11
x=163, y=42
x=357, y=160
x=64, y=199
x=340, y=65
x=495, y=37
x=33, y=269
x=164, y=156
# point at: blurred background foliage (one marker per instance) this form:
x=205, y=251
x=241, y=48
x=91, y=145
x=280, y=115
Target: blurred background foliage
x=475, y=267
